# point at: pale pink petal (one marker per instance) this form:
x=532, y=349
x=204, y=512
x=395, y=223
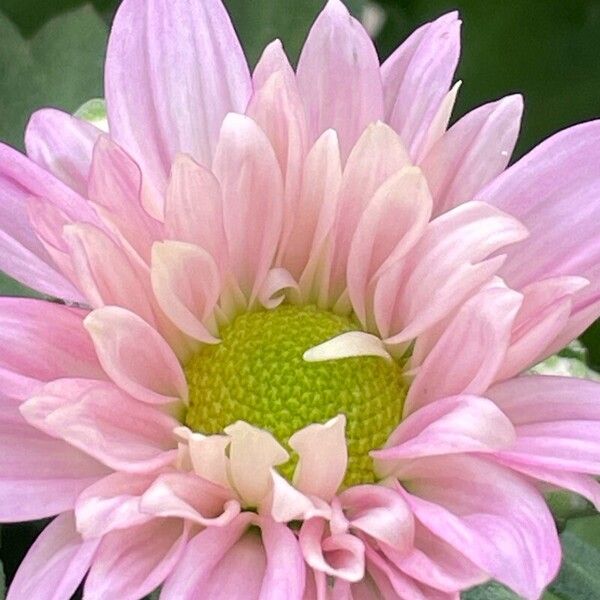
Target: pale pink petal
x=252, y=453
x=164, y=98
x=247, y=168
x=346, y=345
x=314, y=221
x=106, y=273
x=285, y=570
x=557, y=422
x=447, y=426
x=99, y=419
x=493, y=517
x=131, y=563
x=450, y=262
x=339, y=555
x=390, y=225
x=186, y=283
x=277, y=107
x=62, y=144
x=135, y=356
x=40, y=476
x=472, y=152
x=287, y=503
x=377, y=155
x=218, y=563
x=55, y=564
x=322, y=457
x=542, y=317
x=187, y=496
x=338, y=76
x=42, y=341
x=469, y=353
x=418, y=75
x=112, y=503
x=381, y=513
x=115, y=186
x=194, y=208
x=542, y=190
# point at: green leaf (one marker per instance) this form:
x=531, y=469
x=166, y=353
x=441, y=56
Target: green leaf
x=58, y=65
x=490, y=591
x=579, y=577
x=10, y=287
x=261, y=21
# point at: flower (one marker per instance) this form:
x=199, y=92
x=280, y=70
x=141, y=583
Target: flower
x=295, y=311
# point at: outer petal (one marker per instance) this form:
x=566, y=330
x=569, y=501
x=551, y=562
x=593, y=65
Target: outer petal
x=42, y=341
x=448, y=426
x=186, y=283
x=338, y=76
x=493, y=517
x=62, y=144
x=449, y=263
x=135, y=356
x=131, y=563
x=468, y=354
x=166, y=97
x=417, y=76
x=250, y=177
x=39, y=476
x=102, y=421
x=472, y=152
x=55, y=564
x=542, y=190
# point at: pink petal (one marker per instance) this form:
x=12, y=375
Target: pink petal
x=390, y=225
x=494, y=518
x=39, y=476
x=472, y=152
x=164, y=98
x=252, y=453
x=131, y=563
x=115, y=185
x=187, y=285
x=194, y=208
x=542, y=317
x=381, y=513
x=112, y=503
x=339, y=555
x=277, y=107
x=219, y=562
x=448, y=426
x=135, y=356
x=417, y=76
x=187, y=496
x=62, y=144
x=287, y=503
x=467, y=356
x=338, y=77
x=102, y=421
x=542, y=190
x=557, y=422
x=377, y=155
x=107, y=274
x=55, y=564
x=322, y=457
x=446, y=266
x=320, y=185
x=42, y=341
x=247, y=168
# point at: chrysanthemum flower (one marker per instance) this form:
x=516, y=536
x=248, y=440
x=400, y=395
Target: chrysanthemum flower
x=295, y=308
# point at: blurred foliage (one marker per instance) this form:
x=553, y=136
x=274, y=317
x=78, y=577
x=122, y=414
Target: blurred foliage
x=52, y=51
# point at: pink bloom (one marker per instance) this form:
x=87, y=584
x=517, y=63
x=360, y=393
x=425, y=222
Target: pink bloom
x=296, y=308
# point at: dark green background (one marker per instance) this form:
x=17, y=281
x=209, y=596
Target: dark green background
x=51, y=54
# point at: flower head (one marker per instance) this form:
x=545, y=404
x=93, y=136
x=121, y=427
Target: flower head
x=295, y=305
